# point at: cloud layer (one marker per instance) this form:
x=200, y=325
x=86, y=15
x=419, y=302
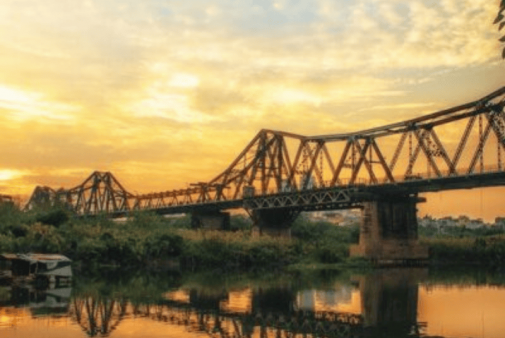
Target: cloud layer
x=168, y=92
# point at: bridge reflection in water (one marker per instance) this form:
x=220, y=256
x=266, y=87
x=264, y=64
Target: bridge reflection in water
x=388, y=309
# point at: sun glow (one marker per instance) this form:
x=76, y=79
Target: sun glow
x=25, y=105
x=8, y=174
x=182, y=80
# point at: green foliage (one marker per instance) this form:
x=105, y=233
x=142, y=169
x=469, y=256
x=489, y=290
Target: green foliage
x=6, y=243
x=147, y=237
x=145, y=220
x=314, y=232
x=43, y=238
x=240, y=223
x=329, y=252
x=11, y=217
x=165, y=245
x=500, y=21
x=323, y=241
x=19, y=230
x=179, y=222
x=89, y=250
x=489, y=251
x=55, y=217
x=459, y=231
x=234, y=249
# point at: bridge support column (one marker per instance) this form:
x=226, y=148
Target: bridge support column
x=388, y=231
x=274, y=222
x=213, y=220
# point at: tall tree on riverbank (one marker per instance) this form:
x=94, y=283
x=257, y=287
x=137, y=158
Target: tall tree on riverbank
x=500, y=21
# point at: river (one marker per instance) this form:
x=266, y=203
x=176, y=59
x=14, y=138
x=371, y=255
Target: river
x=389, y=303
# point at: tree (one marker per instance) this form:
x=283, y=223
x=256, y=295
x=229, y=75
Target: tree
x=500, y=21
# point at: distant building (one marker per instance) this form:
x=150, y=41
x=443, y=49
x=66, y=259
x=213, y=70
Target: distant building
x=460, y=221
x=342, y=217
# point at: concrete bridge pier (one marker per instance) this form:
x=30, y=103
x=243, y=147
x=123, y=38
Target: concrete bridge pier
x=274, y=222
x=388, y=231
x=213, y=220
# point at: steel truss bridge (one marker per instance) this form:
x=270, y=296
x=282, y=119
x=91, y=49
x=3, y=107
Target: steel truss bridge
x=458, y=148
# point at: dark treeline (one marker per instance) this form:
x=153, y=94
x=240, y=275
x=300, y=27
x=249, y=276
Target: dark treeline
x=146, y=239
x=483, y=246
x=152, y=241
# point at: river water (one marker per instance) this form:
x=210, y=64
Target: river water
x=382, y=303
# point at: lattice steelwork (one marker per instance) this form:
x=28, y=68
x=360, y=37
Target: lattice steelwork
x=101, y=192
x=42, y=197
x=461, y=147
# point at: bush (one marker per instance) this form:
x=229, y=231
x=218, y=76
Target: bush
x=145, y=220
x=488, y=251
x=54, y=217
x=20, y=230
x=89, y=250
x=43, y=238
x=318, y=231
x=240, y=223
x=327, y=252
x=163, y=245
x=7, y=244
x=11, y=216
x=234, y=250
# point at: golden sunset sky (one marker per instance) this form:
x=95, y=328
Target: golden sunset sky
x=164, y=93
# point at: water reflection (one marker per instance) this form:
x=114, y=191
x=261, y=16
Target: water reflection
x=389, y=302
x=384, y=303
x=98, y=315
x=49, y=302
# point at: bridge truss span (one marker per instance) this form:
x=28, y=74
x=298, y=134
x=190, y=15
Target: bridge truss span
x=460, y=147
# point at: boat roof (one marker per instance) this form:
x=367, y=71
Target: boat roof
x=36, y=257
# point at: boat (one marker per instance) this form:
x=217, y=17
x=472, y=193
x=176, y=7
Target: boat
x=46, y=270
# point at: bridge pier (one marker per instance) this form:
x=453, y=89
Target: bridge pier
x=213, y=220
x=388, y=231
x=274, y=222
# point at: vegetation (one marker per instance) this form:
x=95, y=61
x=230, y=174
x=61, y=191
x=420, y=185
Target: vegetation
x=500, y=21
x=462, y=245
x=150, y=240
x=147, y=239
x=487, y=251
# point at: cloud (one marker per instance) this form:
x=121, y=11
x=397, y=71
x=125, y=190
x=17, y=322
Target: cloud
x=174, y=90
x=20, y=105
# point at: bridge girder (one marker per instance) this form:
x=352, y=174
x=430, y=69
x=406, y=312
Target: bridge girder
x=280, y=169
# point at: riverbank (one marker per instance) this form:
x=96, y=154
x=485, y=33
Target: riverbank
x=154, y=242
x=482, y=251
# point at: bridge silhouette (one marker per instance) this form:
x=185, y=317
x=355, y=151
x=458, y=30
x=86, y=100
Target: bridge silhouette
x=388, y=309
x=279, y=174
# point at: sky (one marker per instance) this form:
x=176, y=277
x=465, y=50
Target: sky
x=165, y=93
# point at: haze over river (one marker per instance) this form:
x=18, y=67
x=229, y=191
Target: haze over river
x=383, y=303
